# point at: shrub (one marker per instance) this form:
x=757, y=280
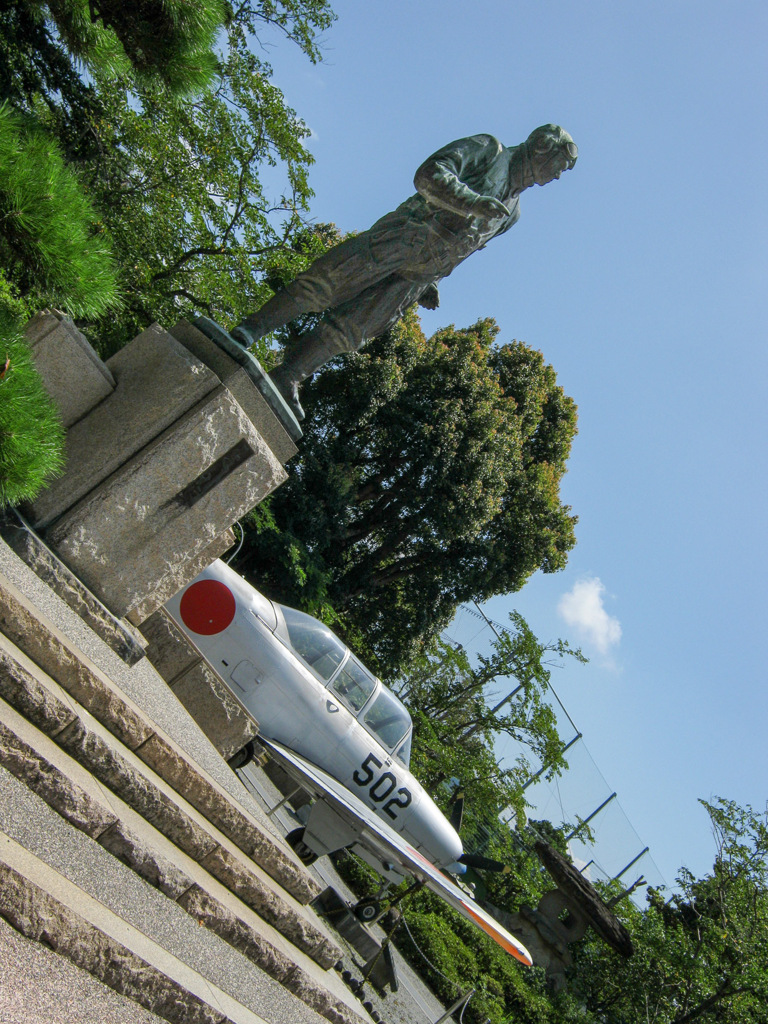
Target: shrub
x=31, y=434
x=451, y=962
x=51, y=242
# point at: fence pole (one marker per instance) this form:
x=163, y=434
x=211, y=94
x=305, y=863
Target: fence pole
x=461, y=1001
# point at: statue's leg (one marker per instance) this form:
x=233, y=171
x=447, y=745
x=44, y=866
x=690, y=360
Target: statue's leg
x=345, y=328
x=280, y=309
x=332, y=280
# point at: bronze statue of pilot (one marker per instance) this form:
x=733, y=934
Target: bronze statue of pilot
x=467, y=193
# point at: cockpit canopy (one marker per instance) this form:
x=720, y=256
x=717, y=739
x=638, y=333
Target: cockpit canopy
x=313, y=641
x=387, y=718
x=384, y=716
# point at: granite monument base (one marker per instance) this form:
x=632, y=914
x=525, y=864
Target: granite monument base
x=180, y=445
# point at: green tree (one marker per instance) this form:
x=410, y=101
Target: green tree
x=165, y=41
x=429, y=475
x=180, y=186
x=700, y=955
x=51, y=251
x=119, y=185
x=175, y=179
x=459, y=712
x=37, y=71
x=194, y=228
x=31, y=435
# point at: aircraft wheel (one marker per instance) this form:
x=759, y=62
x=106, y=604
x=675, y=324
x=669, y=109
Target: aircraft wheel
x=296, y=842
x=242, y=757
x=366, y=910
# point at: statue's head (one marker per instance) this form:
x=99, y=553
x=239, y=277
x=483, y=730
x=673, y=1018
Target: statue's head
x=551, y=150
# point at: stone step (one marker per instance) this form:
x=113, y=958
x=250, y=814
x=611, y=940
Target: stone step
x=49, y=648
x=167, y=968
x=42, y=987
x=35, y=770
x=144, y=689
x=44, y=704
x=134, y=704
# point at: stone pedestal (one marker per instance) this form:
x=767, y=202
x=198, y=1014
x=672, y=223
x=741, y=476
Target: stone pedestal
x=77, y=382
x=179, y=447
x=547, y=932
x=562, y=917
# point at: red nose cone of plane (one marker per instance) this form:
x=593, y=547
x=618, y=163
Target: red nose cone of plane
x=207, y=607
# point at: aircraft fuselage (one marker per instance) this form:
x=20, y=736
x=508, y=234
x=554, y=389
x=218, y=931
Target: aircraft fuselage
x=324, y=705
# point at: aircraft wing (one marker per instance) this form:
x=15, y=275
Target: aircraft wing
x=389, y=846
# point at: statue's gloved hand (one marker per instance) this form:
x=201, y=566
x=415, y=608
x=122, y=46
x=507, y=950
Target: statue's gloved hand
x=430, y=297
x=488, y=209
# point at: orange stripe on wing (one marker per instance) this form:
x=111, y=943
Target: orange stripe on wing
x=518, y=951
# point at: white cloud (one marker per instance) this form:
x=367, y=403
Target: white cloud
x=582, y=608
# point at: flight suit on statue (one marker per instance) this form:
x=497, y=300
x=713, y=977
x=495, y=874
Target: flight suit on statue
x=468, y=192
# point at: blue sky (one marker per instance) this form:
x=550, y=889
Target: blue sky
x=641, y=276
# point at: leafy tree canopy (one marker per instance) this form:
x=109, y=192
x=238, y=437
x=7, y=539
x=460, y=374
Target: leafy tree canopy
x=429, y=475
x=181, y=185
x=700, y=955
x=176, y=181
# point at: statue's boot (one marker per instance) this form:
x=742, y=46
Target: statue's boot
x=302, y=358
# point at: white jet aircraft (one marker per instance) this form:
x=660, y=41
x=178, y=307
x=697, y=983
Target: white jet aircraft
x=336, y=730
